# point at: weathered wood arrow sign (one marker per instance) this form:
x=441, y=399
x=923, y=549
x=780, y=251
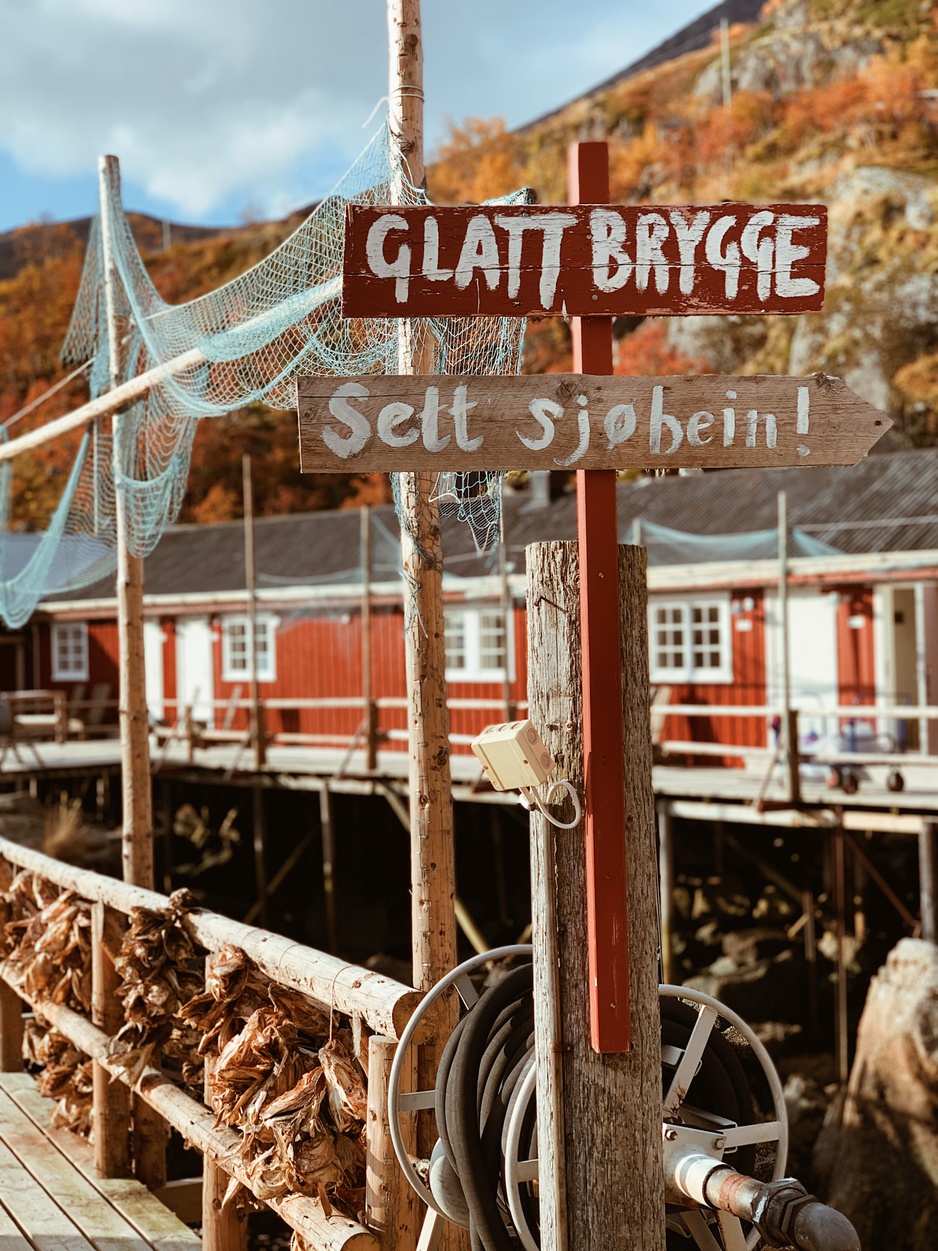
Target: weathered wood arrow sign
x=570, y=421
x=584, y=260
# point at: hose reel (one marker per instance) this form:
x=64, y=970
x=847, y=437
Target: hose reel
x=724, y=1124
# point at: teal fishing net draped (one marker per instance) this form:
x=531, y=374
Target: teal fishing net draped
x=243, y=343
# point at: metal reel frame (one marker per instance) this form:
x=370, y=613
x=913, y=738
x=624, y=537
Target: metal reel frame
x=520, y=1171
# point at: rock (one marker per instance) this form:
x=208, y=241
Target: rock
x=882, y=1149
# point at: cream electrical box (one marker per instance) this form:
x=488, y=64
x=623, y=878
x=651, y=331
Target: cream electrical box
x=513, y=755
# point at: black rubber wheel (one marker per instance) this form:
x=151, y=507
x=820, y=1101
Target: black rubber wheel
x=895, y=781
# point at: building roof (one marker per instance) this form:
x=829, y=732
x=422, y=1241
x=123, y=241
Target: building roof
x=887, y=503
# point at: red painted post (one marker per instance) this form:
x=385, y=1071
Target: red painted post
x=598, y=542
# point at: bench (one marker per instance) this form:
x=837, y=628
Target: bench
x=51, y=1194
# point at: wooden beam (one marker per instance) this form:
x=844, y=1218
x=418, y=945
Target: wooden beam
x=391, y=1205
x=223, y=1228
x=111, y=1101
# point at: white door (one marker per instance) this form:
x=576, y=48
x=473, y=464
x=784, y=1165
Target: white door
x=153, y=665
x=812, y=657
x=195, y=668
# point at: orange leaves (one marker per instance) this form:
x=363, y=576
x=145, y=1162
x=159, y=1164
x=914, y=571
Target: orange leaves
x=476, y=162
x=646, y=351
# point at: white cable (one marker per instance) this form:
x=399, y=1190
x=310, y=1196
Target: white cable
x=531, y=799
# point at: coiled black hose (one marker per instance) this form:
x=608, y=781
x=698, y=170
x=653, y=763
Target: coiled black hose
x=481, y=1065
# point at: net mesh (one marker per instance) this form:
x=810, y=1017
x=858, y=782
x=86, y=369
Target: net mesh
x=677, y=547
x=242, y=343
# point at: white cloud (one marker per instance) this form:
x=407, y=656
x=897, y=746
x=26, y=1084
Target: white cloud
x=205, y=100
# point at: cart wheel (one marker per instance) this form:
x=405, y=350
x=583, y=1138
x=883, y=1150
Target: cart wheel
x=835, y=778
x=895, y=781
x=850, y=783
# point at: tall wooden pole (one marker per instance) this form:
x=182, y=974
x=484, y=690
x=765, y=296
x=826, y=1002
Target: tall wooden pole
x=598, y=1115
x=431, y=809
x=789, y=726
x=137, y=841
x=258, y=735
x=149, y=1132
x=369, y=708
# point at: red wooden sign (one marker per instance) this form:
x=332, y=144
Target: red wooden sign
x=584, y=260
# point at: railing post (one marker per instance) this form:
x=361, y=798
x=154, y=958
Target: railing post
x=390, y=1203
x=111, y=1100
x=223, y=1229
x=11, y=1006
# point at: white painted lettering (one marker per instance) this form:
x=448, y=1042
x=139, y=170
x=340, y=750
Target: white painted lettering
x=431, y=252
x=651, y=230
x=583, y=430
x=753, y=417
x=724, y=258
x=804, y=419
x=660, y=418
x=552, y=226
x=380, y=266
x=612, y=266
x=760, y=249
x=358, y=424
x=430, y=422
x=479, y=251
x=546, y=412
x=619, y=424
x=788, y=252
x=700, y=421
x=392, y=416
x=729, y=422
x=689, y=234
x=460, y=411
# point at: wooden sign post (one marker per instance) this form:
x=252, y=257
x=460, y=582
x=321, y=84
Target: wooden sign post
x=592, y=261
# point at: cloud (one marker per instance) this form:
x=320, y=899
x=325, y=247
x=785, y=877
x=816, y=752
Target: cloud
x=209, y=101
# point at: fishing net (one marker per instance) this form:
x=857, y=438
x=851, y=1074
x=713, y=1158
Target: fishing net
x=677, y=547
x=242, y=343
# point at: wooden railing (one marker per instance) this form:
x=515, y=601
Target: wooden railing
x=378, y=1004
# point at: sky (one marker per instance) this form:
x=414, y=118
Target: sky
x=223, y=110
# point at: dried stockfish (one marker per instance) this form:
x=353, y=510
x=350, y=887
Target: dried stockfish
x=65, y=1075
x=48, y=944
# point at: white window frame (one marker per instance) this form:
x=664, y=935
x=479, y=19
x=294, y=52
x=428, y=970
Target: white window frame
x=235, y=662
x=671, y=637
x=474, y=669
x=69, y=651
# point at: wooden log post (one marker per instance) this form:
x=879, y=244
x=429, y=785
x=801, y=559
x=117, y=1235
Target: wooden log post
x=391, y=1208
x=928, y=881
x=433, y=876
x=599, y=1116
x=11, y=1006
x=136, y=784
x=111, y=1100
x=369, y=705
x=223, y=1228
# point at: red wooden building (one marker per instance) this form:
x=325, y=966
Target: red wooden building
x=862, y=585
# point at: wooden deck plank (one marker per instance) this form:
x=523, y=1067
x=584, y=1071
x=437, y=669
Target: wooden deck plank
x=156, y=1224
x=99, y=1222
x=45, y=1224
x=12, y=1237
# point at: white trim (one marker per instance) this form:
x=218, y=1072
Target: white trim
x=265, y=648
x=72, y=651
x=691, y=653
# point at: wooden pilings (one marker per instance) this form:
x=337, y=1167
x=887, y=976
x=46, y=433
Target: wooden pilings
x=391, y=1204
x=111, y=1101
x=599, y=1115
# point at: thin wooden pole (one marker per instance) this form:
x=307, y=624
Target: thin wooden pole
x=111, y=1101
x=137, y=841
x=666, y=880
x=11, y=1008
x=327, y=831
x=259, y=839
x=789, y=727
x=507, y=617
x=149, y=1131
x=433, y=877
x=223, y=1228
x=258, y=734
x=599, y=1115
x=605, y=812
x=840, y=907
x=390, y=1203
x=928, y=881
x=369, y=707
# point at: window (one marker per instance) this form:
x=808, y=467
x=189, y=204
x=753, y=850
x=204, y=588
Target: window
x=235, y=648
x=69, y=651
x=476, y=649
x=690, y=641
